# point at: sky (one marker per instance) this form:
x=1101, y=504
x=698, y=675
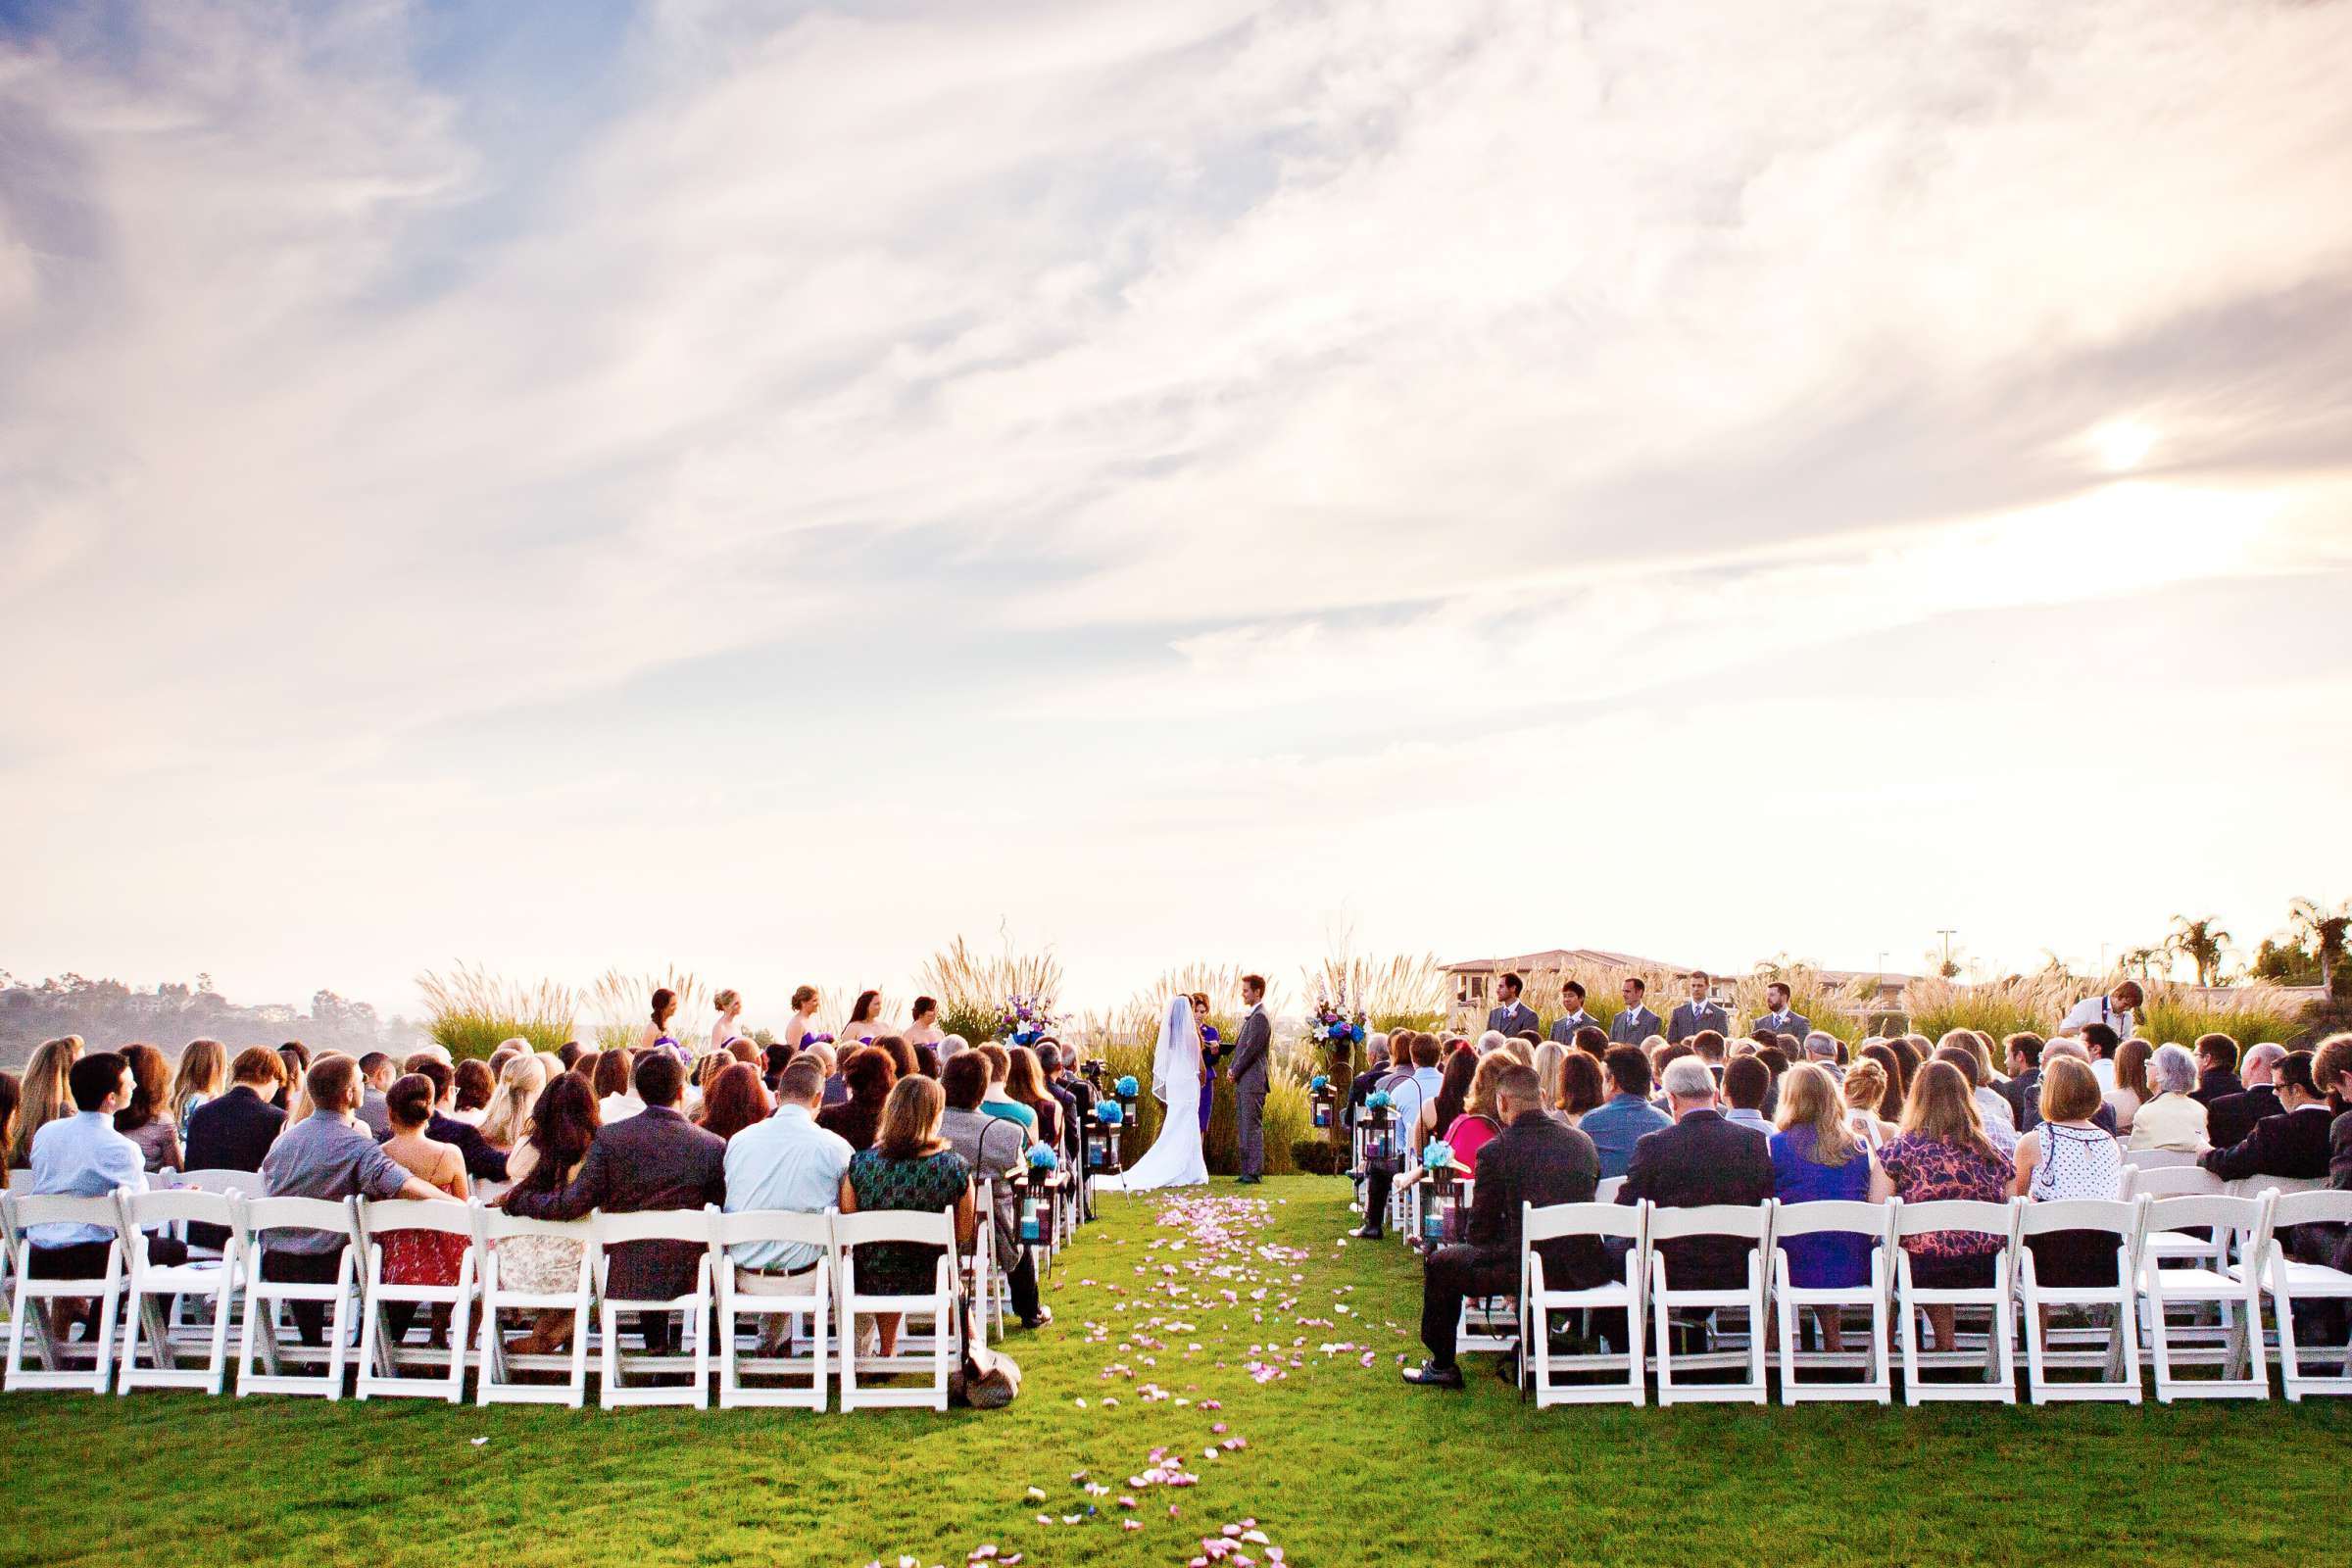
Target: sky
x=770, y=488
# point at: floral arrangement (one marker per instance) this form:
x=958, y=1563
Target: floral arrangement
x=1334, y=1023
x=1318, y=1083
x=1043, y=1158
x=1025, y=1021
x=1126, y=1087
x=1109, y=1114
x=1378, y=1099
x=1437, y=1156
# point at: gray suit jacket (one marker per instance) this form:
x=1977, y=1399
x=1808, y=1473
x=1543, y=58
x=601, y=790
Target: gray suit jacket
x=1251, y=1050
x=1633, y=1025
x=1511, y=1020
x=1799, y=1025
x=1564, y=1028
x=1688, y=1021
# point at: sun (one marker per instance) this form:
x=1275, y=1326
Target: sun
x=2123, y=445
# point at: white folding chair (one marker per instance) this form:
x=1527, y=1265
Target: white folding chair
x=213, y=1179
x=2256, y=1185
x=494, y=1380
x=850, y=1231
x=1998, y=1381
x=2158, y=1158
x=381, y=1352
x=607, y=1231
x=258, y=1218
x=1488, y=1323
x=155, y=1288
x=2243, y=1375
x=28, y=1302
x=1538, y=1301
x=2118, y=1359
x=804, y=1301
x=1607, y=1189
x=2289, y=1281
x=1833, y=1217
x=1750, y=1223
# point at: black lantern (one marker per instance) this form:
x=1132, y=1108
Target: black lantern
x=1103, y=1143
x=1437, y=1210
x=1380, y=1134
x=1326, y=1103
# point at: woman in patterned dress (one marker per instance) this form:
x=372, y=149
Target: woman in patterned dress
x=909, y=1168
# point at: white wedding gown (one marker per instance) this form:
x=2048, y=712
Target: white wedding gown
x=1175, y=1158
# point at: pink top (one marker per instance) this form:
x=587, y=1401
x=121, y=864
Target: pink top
x=1466, y=1137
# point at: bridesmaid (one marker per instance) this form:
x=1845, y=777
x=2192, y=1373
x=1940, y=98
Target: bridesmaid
x=866, y=1019
x=925, y=1030
x=1211, y=1042
x=803, y=1021
x=656, y=1031
x=729, y=1003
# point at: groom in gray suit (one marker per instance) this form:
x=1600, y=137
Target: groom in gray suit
x=1250, y=1062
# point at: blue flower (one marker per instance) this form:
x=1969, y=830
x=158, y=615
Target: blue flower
x=1438, y=1155
x=1318, y=1081
x=1044, y=1158
x=1378, y=1100
x=1109, y=1114
x=1125, y=1088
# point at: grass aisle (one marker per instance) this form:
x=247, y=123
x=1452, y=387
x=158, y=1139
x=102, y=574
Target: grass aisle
x=1341, y=1463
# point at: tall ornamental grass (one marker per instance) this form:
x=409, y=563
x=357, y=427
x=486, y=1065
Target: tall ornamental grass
x=971, y=987
x=2035, y=1004
x=1840, y=1010
x=2250, y=1014
x=469, y=1012
x=623, y=1004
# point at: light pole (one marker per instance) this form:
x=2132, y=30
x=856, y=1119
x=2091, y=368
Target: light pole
x=1947, y=932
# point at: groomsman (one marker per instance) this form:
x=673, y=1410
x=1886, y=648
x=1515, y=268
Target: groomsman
x=1572, y=998
x=1780, y=1020
x=1634, y=1022
x=1513, y=1015
x=1698, y=1013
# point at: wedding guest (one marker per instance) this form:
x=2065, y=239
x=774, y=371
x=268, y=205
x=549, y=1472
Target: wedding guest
x=737, y=1100
x=1619, y=1123
x=145, y=1120
x=203, y=1074
x=2130, y=1090
x=507, y=1116
x=1025, y=1085
x=1406, y=1101
x=803, y=1022
x=2022, y=1091
x=82, y=1156
x=569, y=1053
x=47, y=1094
x=2231, y=1118
x=1941, y=1153
x=1438, y=1111
x=1583, y=1087
x=786, y=1162
x=376, y=1073
x=2292, y=1144
x=923, y=1028
x=1699, y=1014
x=2117, y=1009
x=773, y=1060
x=910, y=1166
x=1573, y=1015
x=1376, y=1068
x=994, y=1148
x=870, y=1076
x=1745, y=1083
x=1533, y=1162
x=555, y=1149
x=866, y=1019
x=837, y=1089
x=297, y=1058
x=1512, y=1015
x=475, y=1084
x=1551, y=1057
x=420, y=1258
x=726, y=1026
x=584, y=1065
x=1065, y=1103
x=482, y=1162
x=1821, y=1050
x=1700, y=1161
x=998, y=1102
x=1992, y=1107
x=1634, y=1022
x=1889, y=1061
x=2216, y=1069
x=2099, y=1045
x=1816, y=1158
x=234, y=1131
x=12, y=1096
x=656, y=1159
x=326, y=1155
x=2068, y=1156
x=2173, y=1118
x=615, y=1097
x=1080, y=1094
x=1865, y=1092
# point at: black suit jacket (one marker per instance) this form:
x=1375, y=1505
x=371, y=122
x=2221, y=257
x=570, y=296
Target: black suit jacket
x=483, y=1161
x=2023, y=1094
x=654, y=1159
x=2230, y=1118
x=1701, y=1159
x=2294, y=1143
x=2215, y=1086
x=1537, y=1161
x=230, y=1133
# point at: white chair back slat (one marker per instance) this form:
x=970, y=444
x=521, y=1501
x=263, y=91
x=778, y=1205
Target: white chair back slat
x=29, y=1297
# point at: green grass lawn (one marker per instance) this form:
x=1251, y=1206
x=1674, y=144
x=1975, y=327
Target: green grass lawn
x=1344, y=1464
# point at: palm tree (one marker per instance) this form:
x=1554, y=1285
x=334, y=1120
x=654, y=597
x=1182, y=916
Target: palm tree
x=2322, y=930
x=2202, y=943
x=2141, y=963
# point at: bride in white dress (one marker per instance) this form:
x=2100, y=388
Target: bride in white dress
x=1175, y=1158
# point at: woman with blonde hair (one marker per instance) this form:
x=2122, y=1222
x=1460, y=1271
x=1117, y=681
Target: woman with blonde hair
x=45, y=1096
x=203, y=1073
x=798, y=1027
x=1552, y=1058
x=1865, y=1091
x=1943, y=1152
x=508, y=1118
x=725, y=1027
x=1817, y=1157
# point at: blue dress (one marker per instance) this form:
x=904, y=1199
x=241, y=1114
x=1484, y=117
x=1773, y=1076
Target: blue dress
x=1833, y=1260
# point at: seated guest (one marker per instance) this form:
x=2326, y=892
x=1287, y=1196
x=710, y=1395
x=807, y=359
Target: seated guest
x=507, y=1116
x=234, y=1131
x=1940, y=1153
x=870, y=1075
x=773, y=1060
x=1701, y=1159
x=1067, y=1077
x=1864, y=1090
x=1025, y=1085
x=2130, y=1091
x=147, y=1120
x=997, y=1149
x=477, y=1083
x=2228, y=1120
x=2104, y=1117
x=2294, y=1143
x=2069, y=1156
x=788, y=1163
x=561, y=1129
x=203, y=1074
x=737, y=1100
x=2022, y=1091
x=1745, y=1083
x=1593, y=1040
x=1533, y=1162
x=2173, y=1118
x=656, y=1159
x=484, y=1163
x=1817, y=1157
x=420, y=1258
x=1821, y=1049
x=376, y=1073
x=1412, y=1096
x=1065, y=1103
x=615, y=1097
x=2216, y=1069
x=1477, y=1121
x=1627, y=1116
x=81, y=1156
x=2099, y=1042
x=1438, y=1111
x=297, y=1058
x=326, y=1155
x=999, y=1100
x=1992, y=1106
x=46, y=1095
x=1583, y=1088
x=837, y=1089
x=910, y=1166
x=1888, y=1056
